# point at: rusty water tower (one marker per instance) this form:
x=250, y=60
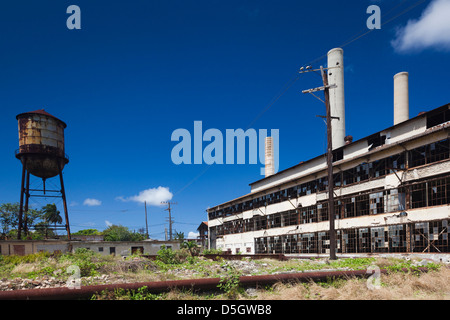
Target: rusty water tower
x=42, y=154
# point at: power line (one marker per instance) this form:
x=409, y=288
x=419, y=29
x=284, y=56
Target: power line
x=294, y=79
x=364, y=32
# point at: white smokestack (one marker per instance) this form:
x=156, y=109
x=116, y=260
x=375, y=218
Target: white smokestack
x=337, y=101
x=401, y=97
x=269, y=162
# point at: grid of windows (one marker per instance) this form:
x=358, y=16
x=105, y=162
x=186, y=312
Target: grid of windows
x=427, y=154
x=431, y=236
x=424, y=194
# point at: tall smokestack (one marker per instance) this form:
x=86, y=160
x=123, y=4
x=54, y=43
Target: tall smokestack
x=401, y=97
x=269, y=161
x=337, y=101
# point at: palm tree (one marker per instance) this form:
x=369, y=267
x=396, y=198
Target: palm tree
x=52, y=214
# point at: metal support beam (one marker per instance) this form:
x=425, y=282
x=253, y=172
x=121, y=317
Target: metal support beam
x=22, y=187
x=63, y=195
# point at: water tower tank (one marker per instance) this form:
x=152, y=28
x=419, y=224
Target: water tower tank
x=41, y=143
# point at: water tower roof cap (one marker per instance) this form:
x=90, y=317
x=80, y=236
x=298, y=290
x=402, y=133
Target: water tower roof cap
x=40, y=111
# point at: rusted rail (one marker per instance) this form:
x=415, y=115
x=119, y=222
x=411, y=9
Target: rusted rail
x=226, y=256
x=85, y=292
x=280, y=257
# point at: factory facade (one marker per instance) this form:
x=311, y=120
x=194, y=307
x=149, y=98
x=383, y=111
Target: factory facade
x=391, y=190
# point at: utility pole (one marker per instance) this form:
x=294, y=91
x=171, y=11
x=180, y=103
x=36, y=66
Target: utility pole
x=170, y=217
x=146, y=224
x=331, y=214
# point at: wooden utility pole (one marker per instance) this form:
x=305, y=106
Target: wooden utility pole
x=170, y=217
x=330, y=166
x=146, y=224
x=331, y=214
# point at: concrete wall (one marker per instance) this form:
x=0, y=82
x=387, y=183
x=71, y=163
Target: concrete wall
x=123, y=248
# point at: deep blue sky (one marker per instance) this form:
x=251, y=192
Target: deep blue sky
x=137, y=70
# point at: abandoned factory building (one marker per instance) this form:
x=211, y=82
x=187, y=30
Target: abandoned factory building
x=391, y=193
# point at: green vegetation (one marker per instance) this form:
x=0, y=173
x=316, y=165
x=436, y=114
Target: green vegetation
x=87, y=232
x=45, y=264
x=229, y=283
x=213, y=251
x=9, y=218
x=185, y=263
x=121, y=233
x=41, y=224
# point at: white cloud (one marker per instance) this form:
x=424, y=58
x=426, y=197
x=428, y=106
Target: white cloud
x=431, y=30
x=108, y=224
x=192, y=235
x=153, y=196
x=92, y=202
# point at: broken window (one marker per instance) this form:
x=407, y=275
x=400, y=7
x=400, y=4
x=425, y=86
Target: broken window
x=437, y=192
x=290, y=243
x=322, y=184
x=349, y=207
x=249, y=225
x=219, y=230
x=338, y=209
x=438, y=116
x=395, y=200
x=308, y=214
x=323, y=242
x=397, y=238
x=362, y=205
x=375, y=140
x=274, y=220
x=438, y=151
x=338, y=154
x=291, y=192
x=395, y=162
x=378, y=168
x=260, y=222
x=293, y=218
x=420, y=237
x=362, y=172
x=349, y=241
x=429, y=153
x=376, y=203
x=337, y=179
x=261, y=245
x=418, y=195
x=309, y=243
x=418, y=156
x=364, y=240
x=431, y=236
x=379, y=239
x=349, y=176
x=322, y=209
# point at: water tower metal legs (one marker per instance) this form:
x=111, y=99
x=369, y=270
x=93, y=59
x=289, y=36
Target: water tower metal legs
x=63, y=194
x=22, y=185
x=25, y=191
x=27, y=198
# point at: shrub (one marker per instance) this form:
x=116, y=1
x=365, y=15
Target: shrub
x=87, y=260
x=212, y=251
x=167, y=256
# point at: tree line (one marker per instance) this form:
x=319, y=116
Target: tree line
x=43, y=221
x=42, y=224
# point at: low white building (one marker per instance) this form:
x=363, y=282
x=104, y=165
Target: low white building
x=122, y=248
